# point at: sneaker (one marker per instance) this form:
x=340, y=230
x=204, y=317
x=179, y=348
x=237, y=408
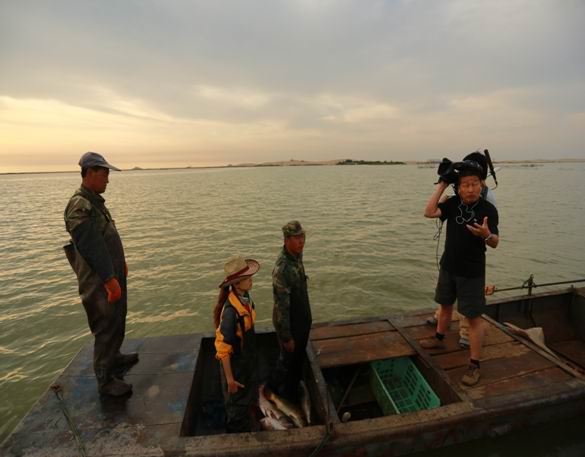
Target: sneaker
x=463, y=342
x=126, y=360
x=432, y=343
x=116, y=388
x=471, y=376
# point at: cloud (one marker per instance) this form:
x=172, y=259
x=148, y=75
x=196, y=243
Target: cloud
x=232, y=97
x=390, y=79
x=351, y=110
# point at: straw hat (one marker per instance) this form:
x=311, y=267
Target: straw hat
x=236, y=268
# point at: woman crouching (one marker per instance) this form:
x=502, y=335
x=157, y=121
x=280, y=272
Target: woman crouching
x=235, y=343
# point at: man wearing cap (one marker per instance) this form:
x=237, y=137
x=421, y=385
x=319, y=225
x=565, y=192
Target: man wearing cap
x=292, y=312
x=97, y=257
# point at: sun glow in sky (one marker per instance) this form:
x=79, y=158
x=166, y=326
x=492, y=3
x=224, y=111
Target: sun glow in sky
x=176, y=83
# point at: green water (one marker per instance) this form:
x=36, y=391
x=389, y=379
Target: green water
x=369, y=252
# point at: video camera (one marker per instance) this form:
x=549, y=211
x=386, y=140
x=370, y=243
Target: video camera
x=449, y=171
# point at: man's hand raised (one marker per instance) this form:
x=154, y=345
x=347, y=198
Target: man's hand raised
x=482, y=230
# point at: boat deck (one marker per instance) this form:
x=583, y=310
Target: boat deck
x=507, y=365
x=134, y=426
x=520, y=385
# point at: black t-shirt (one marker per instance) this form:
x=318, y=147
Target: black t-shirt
x=464, y=252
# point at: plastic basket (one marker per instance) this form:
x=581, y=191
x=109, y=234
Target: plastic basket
x=399, y=387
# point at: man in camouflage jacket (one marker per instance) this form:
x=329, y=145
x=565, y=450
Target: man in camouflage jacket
x=97, y=257
x=292, y=311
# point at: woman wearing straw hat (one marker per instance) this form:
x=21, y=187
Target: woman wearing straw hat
x=235, y=342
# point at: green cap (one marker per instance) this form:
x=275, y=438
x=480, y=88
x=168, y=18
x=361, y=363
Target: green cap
x=292, y=228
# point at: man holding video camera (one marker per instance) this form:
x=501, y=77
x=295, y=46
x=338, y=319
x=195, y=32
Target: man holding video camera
x=472, y=223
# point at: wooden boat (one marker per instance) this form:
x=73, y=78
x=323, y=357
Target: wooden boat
x=176, y=406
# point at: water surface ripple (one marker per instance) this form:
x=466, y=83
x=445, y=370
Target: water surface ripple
x=369, y=250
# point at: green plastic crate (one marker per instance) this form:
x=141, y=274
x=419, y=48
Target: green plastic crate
x=399, y=387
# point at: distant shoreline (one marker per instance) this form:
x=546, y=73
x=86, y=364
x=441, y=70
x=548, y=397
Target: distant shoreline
x=305, y=163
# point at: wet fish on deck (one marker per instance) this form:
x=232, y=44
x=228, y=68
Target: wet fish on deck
x=271, y=424
x=292, y=411
x=269, y=410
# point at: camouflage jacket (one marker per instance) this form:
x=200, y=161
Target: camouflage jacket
x=86, y=220
x=292, y=312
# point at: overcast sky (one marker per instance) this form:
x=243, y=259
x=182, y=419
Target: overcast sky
x=175, y=83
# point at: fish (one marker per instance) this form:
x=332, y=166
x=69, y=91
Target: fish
x=286, y=422
x=269, y=410
x=270, y=423
x=264, y=404
x=292, y=411
x=305, y=401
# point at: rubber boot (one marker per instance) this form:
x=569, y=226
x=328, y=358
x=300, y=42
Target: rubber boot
x=116, y=388
x=125, y=360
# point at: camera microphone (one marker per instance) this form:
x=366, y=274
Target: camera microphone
x=490, y=165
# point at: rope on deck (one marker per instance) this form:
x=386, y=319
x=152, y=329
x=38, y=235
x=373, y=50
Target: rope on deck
x=56, y=388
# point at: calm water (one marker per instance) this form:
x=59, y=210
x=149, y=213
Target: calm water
x=369, y=252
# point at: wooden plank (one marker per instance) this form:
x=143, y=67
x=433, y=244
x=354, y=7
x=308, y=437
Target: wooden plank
x=574, y=350
x=561, y=392
x=413, y=319
x=353, y=329
x=533, y=380
x=164, y=344
x=450, y=360
x=363, y=320
x=420, y=332
x=503, y=368
x=493, y=336
x=150, y=364
x=324, y=403
x=419, y=318
x=128, y=440
x=560, y=363
x=359, y=349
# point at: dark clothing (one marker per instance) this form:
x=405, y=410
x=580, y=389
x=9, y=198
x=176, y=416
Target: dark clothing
x=292, y=320
x=96, y=255
x=86, y=218
x=286, y=377
x=464, y=253
x=469, y=293
x=292, y=312
x=236, y=339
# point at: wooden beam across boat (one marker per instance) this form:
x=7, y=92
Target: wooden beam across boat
x=349, y=344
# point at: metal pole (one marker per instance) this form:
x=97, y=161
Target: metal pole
x=530, y=284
